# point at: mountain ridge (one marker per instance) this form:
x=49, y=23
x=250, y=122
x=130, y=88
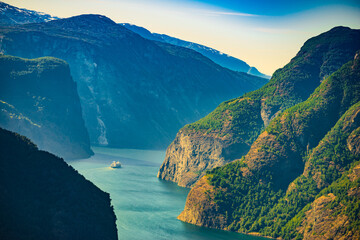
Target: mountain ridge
x=218, y=57
x=11, y=15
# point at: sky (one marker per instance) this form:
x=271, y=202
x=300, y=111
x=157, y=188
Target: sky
x=266, y=34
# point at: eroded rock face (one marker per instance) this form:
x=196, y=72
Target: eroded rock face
x=191, y=154
x=321, y=222
x=198, y=205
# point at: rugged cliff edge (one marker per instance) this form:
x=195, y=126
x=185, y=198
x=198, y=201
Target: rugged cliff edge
x=41, y=197
x=227, y=133
x=300, y=178
x=38, y=99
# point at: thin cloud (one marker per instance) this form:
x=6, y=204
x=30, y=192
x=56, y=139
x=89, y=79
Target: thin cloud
x=277, y=30
x=224, y=13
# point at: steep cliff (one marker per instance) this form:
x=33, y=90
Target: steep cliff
x=135, y=93
x=292, y=170
x=41, y=197
x=234, y=125
x=38, y=99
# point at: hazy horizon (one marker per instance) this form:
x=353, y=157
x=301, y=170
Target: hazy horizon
x=265, y=35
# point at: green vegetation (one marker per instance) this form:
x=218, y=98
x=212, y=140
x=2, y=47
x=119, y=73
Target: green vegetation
x=236, y=118
x=263, y=192
x=241, y=119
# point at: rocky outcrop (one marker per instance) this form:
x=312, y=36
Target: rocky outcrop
x=326, y=217
x=135, y=93
x=200, y=209
x=191, y=154
x=39, y=99
x=42, y=197
x=322, y=224
x=242, y=120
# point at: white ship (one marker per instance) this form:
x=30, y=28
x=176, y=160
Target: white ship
x=115, y=164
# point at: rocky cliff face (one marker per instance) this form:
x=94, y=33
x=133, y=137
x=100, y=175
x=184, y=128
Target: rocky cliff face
x=191, y=154
x=301, y=168
x=200, y=209
x=41, y=197
x=330, y=215
x=38, y=98
x=135, y=93
x=323, y=223
x=241, y=120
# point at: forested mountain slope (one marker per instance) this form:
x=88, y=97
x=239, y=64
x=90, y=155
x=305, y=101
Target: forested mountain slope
x=227, y=133
x=304, y=166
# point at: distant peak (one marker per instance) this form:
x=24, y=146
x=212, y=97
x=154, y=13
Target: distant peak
x=95, y=18
x=340, y=28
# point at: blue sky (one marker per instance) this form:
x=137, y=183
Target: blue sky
x=276, y=7
x=265, y=34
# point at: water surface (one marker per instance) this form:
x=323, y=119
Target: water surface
x=145, y=206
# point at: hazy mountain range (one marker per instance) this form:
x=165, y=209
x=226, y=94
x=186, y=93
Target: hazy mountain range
x=134, y=92
x=10, y=15
x=216, y=56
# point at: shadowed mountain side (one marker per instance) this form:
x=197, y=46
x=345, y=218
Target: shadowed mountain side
x=38, y=99
x=41, y=197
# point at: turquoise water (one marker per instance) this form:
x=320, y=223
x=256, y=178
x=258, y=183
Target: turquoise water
x=145, y=207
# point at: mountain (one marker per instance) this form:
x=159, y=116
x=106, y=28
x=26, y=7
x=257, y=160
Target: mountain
x=228, y=132
x=135, y=93
x=300, y=178
x=38, y=99
x=216, y=56
x=10, y=15
x=41, y=197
